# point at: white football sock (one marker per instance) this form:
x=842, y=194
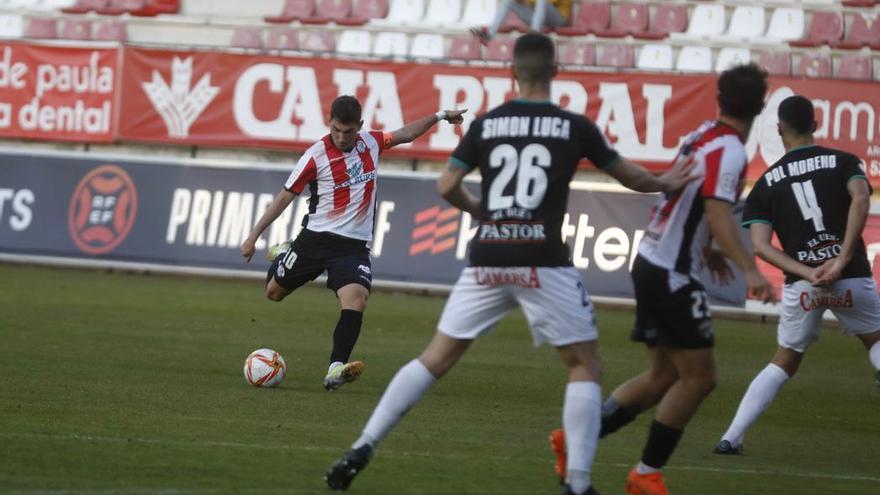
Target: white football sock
x=581, y=419
x=643, y=468
x=760, y=394
x=404, y=390
x=334, y=364
x=874, y=355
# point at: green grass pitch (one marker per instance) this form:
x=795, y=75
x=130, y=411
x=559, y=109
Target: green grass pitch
x=121, y=383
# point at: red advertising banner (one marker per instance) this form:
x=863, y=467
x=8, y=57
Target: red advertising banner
x=224, y=99
x=58, y=93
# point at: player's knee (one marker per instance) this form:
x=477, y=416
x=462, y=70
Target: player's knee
x=273, y=294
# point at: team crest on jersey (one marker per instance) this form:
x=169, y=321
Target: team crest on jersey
x=361, y=146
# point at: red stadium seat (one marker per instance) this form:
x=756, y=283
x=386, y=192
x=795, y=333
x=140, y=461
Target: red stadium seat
x=152, y=8
x=111, y=31
x=76, y=29
x=814, y=65
x=668, y=18
x=293, y=10
x=365, y=10
x=630, y=18
x=317, y=41
x=500, y=49
x=825, y=28
x=329, y=11
x=860, y=3
x=465, y=48
x=83, y=6
x=855, y=67
x=118, y=7
x=776, y=63
x=617, y=56
x=41, y=27
x=282, y=38
x=864, y=31
x=247, y=37
x=591, y=17
x=577, y=53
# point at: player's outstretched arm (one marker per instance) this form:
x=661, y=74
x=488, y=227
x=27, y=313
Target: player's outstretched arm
x=450, y=187
x=726, y=233
x=859, y=206
x=637, y=178
x=761, y=234
x=282, y=200
x=410, y=132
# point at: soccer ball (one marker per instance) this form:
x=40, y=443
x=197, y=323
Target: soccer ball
x=264, y=368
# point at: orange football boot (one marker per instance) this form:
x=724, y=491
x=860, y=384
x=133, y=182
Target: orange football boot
x=645, y=484
x=557, y=443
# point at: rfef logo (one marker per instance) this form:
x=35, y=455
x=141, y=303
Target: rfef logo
x=436, y=231
x=102, y=209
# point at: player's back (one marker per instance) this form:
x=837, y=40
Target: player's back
x=527, y=152
x=805, y=197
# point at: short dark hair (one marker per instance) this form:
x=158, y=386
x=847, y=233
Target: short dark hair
x=741, y=91
x=796, y=112
x=346, y=109
x=534, y=58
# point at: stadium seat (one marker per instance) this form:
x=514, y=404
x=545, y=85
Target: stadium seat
x=694, y=59
x=478, y=12
x=860, y=3
x=864, y=31
x=76, y=29
x=855, y=67
x=364, y=11
x=317, y=41
x=747, y=22
x=83, y=6
x=11, y=26
x=729, y=57
x=786, y=24
x=825, y=28
x=282, y=38
x=354, y=42
x=591, y=17
x=668, y=18
x=577, y=53
x=111, y=31
x=247, y=37
x=622, y=56
x=465, y=47
x=41, y=27
x=707, y=21
x=814, y=65
x=156, y=7
x=427, y=45
x=329, y=11
x=629, y=18
x=444, y=13
x=655, y=57
x=390, y=44
x=403, y=12
x=294, y=10
x=500, y=49
x=119, y=7
x=54, y=4
x=776, y=63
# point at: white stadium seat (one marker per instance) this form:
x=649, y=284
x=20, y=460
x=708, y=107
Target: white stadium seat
x=694, y=59
x=11, y=26
x=478, y=13
x=728, y=57
x=402, y=12
x=747, y=22
x=427, y=45
x=786, y=24
x=354, y=42
x=444, y=13
x=655, y=56
x=390, y=44
x=707, y=21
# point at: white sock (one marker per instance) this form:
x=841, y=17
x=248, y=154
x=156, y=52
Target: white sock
x=404, y=390
x=874, y=355
x=760, y=394
x=643, y=468
x=334, y=364
x=581, y=419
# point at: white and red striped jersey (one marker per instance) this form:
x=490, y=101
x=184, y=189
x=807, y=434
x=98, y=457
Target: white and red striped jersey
x=342, y=185
x=677, y=231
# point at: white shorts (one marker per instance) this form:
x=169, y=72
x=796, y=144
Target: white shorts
x=553, y=299
x=854, y=301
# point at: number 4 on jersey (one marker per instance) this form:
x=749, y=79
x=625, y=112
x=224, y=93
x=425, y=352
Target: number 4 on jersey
x=806, y=200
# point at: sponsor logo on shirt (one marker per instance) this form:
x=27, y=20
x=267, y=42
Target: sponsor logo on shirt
x=823, y=247
x=511, y=232
x=520, y=276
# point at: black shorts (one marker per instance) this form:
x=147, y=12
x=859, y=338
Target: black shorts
x=347, y=261
x=664, y=318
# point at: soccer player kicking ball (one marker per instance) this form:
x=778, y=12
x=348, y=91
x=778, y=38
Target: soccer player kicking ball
x=816, y=199
x=527, y=151
x=672, y=313
x=340, y=171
